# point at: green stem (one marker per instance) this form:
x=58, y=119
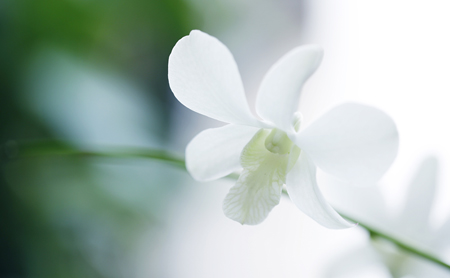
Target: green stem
x=377, y=233
x=12, y=151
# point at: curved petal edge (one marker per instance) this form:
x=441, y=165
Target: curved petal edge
x=354, y=142
x=204, y=77
x=279, y=93
x=215, y=152
x=305, y=194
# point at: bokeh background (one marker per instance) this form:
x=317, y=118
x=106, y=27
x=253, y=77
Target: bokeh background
x=92, y=74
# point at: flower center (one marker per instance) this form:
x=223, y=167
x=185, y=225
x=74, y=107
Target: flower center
x=278, y=142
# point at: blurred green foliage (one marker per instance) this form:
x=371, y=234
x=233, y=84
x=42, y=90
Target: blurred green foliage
x=57, y=219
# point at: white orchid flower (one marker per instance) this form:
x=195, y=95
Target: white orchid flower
x=352, y=141
x=412, y=226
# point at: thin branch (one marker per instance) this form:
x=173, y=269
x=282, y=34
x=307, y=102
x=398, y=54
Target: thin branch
x=12, y=151
x=415, y=251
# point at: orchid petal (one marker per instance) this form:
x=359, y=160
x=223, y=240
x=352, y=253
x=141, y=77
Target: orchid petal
x=279, y=92
x=305, y=194
x=204, y=77
x=215, y=152
x=258, y=188
x=416, y=213
x=353, y=142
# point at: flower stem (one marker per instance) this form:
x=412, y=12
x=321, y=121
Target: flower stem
x=12, y=151
x=406, y=247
